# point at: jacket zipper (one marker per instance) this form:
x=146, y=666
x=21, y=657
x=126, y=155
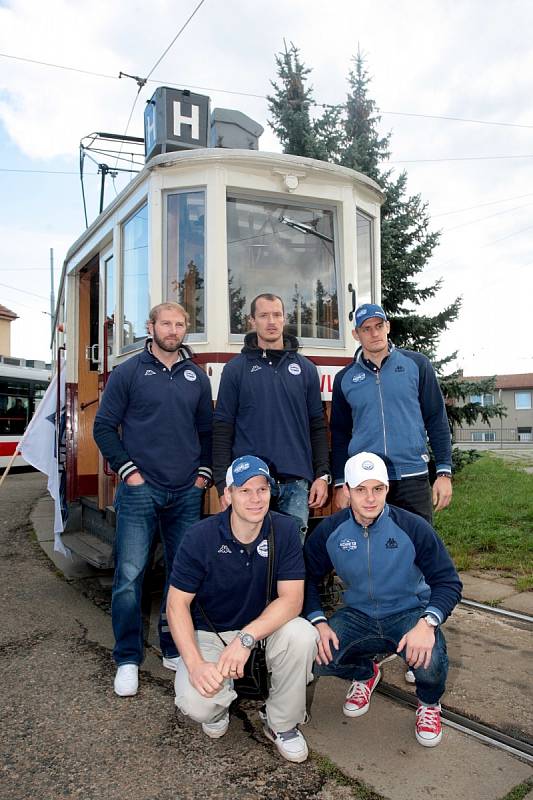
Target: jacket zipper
x=367, y=537
x=378, y=382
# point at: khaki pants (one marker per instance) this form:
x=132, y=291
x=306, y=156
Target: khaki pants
x=290, y=652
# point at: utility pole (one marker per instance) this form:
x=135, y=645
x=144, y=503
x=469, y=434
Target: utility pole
x=52, y=297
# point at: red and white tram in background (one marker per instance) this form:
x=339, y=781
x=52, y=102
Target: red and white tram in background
x=211, y=228
x=22, y=386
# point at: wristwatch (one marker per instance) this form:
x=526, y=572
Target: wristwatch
x=431, y=620
x=444, y=475
x=247, y=640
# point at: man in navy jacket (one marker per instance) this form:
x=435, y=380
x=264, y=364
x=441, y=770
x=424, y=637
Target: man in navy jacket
x=269, y=404
x=154, y=426
x=400, y=586
x=388, y=401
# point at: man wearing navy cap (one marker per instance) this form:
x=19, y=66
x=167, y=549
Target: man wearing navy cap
x=388, y=401
x=400, y=586
x=222, y=565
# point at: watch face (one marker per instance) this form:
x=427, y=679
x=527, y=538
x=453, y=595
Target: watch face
x=247, y=640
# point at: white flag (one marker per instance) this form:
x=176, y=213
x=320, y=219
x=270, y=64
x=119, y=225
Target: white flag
x=40, y=447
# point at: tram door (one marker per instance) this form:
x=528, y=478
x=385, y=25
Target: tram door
x=87, y=452
x=106, y=333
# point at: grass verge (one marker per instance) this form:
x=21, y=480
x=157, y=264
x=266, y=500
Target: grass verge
x=489, y=524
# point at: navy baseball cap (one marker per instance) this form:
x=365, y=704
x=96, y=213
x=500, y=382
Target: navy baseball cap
x=246, y=467
x=367, y=311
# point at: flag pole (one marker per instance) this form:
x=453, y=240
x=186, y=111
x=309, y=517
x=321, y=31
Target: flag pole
x=8, y=466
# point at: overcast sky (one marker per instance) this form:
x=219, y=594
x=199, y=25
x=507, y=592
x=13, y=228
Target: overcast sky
x=470, y=60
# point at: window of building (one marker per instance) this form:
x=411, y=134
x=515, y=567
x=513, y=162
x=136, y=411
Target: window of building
x=522, y=400
x=185, y=255
x=288, y=250
x=135, y=295
x=482, y=399
x=525, y=434
x=483, y=436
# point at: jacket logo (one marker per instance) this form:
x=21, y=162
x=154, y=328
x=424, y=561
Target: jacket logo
x=150, y=372
x=358, y=378
x=255, y=368
x=399, y=368
x=348, y=544
x=189, y=375
x=262, y=548
x=224, y=549
x=392, y=544
x=294, y=369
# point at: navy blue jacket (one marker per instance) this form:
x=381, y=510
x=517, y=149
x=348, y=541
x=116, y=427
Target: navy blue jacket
x=274, y=410
x=390, y=411
x=396, y=564
x=230, y=584
x=165, y=420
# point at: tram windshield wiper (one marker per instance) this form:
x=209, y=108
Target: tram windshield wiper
x=303, y=228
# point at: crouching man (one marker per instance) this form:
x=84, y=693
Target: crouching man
x=401, y=585
x=222, y=568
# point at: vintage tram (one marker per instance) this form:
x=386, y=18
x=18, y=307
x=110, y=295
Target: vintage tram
x=210, y=227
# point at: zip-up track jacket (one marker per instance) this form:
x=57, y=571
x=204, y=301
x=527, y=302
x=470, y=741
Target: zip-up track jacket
x=396, y=564
x=390, y=412
x=274, y=412
x=165, y=418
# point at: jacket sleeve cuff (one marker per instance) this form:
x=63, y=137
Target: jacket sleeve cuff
x=443, y=468
x=126, y=470
x=206, y=472
x=316, y=616
x=435, y=611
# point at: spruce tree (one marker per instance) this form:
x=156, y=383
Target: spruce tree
x=349, y=135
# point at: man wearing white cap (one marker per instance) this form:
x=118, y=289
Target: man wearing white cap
x=222, y=565
x=401, y=585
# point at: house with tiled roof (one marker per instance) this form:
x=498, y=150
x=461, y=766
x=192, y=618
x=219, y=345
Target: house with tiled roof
x=515, y=393
x=6, y=318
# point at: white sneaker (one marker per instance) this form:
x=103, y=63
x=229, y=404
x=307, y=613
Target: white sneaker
x=127, y=680
x=290, y=744
x=216, y=729
x=409, y=676
x=171, y=663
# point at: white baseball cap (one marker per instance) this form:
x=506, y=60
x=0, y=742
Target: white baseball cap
x=365, y=467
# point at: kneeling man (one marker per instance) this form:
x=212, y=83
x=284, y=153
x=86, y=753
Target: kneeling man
x=222, y=567
x=401, y=585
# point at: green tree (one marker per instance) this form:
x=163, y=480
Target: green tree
x=349, y=135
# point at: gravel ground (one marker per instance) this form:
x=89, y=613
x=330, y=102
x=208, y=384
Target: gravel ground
x=65, y=734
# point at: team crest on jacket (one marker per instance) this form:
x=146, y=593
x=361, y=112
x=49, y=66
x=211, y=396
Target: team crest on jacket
x=262, y=548
x=348, y=544
x=150, y=372
x=189, y=375
x=255, y=368
x=358, y=378
x=294, y=369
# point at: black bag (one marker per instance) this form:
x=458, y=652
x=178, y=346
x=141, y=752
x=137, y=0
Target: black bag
x=255, y=683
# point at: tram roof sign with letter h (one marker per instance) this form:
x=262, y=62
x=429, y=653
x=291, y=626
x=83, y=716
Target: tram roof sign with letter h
x=175, y=119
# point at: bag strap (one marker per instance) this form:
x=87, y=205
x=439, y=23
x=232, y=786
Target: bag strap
x=270, y=579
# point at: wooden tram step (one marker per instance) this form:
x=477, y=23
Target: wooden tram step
x=95, y=551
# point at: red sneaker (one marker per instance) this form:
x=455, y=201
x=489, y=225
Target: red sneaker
x=358, y=698
x=428, y=729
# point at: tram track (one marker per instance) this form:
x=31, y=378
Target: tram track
x=490, y=736
x=497, y=611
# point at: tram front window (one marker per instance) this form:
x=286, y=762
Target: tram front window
x=135, y=278
x=288, y=250
x=185, y=273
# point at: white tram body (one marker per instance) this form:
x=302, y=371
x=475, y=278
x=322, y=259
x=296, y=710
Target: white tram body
x=212, y=228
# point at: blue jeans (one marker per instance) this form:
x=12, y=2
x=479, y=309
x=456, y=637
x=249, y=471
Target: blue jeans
x=292, y=499
x=142, y=511
x=361, y=638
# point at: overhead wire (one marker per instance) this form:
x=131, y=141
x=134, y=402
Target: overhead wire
x=259, y=96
